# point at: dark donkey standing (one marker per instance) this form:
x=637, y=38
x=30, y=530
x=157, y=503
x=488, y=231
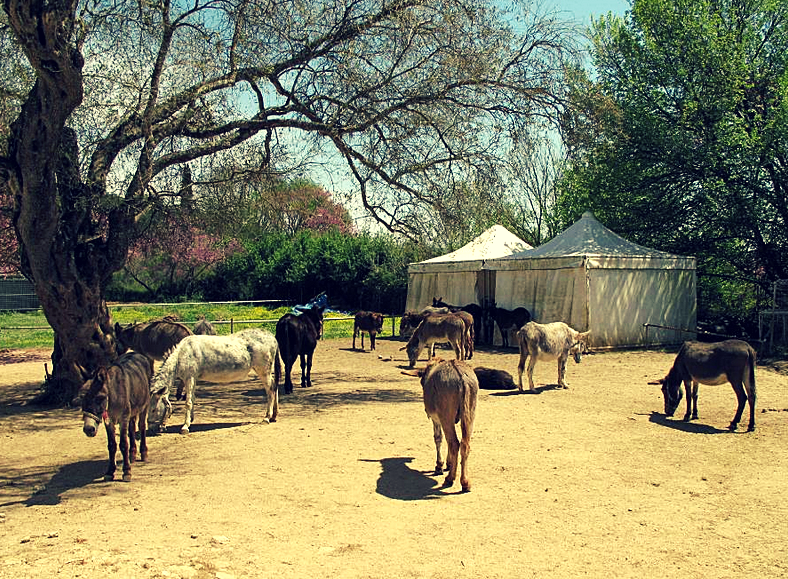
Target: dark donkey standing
x=119, y=394
x=474, y=309
x=713, y=364
x=297, y=336
x=508, y=320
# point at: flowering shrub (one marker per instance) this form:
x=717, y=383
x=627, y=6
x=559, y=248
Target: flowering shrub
x=172, y=256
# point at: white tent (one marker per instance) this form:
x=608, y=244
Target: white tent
x=460, y=277
x=591, y=278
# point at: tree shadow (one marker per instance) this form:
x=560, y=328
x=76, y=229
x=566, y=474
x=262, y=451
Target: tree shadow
x=400, y=482
x=691, y=427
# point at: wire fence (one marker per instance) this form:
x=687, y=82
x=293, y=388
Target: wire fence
x=231, y=325
x=773, y=319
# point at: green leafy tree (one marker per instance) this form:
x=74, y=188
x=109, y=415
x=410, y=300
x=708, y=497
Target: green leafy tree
x=124, y=95
x=681, y=142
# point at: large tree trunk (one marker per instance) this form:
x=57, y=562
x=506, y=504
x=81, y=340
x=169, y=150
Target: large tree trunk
x=63, y=249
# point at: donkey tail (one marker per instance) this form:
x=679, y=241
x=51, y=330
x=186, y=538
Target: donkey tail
x=277, y=369
x=751, y=375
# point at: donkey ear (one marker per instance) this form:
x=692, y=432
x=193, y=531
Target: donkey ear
x=417, y=373
x=659, y=382
x=77, y=400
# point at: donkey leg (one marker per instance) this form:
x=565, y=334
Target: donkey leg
x=562, y=372
x=520, y=369
x=265, y=375
x=142, y=426
x=132, y=435
x=454, y=448
x=437, y=435
x=531, y=366
x=306, y=370
x=112, y=447
x=288, y=379
x=187, y=420
x=750, y=391
x=465, y=450
x=741, y=399
x=124, y=450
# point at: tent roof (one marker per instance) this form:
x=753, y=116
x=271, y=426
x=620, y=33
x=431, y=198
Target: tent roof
x=588, y=237
x=496, y=242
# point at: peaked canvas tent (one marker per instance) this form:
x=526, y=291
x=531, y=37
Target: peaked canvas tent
x=592, y=278
x=459, y=277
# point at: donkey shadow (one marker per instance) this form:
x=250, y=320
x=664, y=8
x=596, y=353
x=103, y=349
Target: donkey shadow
x=400, y=482
x=691, y=427
x=68, y=477
x=526, y=390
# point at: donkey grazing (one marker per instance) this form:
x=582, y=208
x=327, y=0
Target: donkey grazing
x=712, y=364
x=119, y=394
x=437, y=328
x=450, y=389
x=297, y=336
x=554, y=341
x=369, y=322
x=474, y=310
x=219, y=359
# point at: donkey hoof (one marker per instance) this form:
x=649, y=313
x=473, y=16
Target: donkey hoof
x=109, y=476
x=127, y=477
x=185, y=430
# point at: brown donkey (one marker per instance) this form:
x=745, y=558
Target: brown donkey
x=119, y=394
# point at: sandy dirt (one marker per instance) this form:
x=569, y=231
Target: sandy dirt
x=592, y=481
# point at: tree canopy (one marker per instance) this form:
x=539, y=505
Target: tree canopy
x=125, y=98
x=681, y=141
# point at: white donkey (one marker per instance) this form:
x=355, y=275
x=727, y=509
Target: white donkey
x=217, y=359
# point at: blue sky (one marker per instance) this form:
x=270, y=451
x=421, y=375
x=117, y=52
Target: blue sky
x=584, y=9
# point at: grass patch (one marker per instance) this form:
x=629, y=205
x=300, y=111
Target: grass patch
x=31, y=329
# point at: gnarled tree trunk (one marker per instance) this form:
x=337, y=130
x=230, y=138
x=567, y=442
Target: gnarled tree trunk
x=63, y=249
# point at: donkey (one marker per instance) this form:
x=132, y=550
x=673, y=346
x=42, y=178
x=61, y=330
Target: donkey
x=554, y=341
x=219, y=359
x=119, y=394
x=297, y=336
x=437, y=328
x=508, y=320
x=154, y=339
x=450, y=389
x=369, y=322
x=474, y=309
x=713, y=364
x=204, y=328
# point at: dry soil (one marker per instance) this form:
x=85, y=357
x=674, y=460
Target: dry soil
x=593, y=481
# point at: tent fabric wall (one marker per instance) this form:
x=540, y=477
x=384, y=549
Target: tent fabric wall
x=587, y=276
x=460, y=277
x=457, y=287
x=591, y=278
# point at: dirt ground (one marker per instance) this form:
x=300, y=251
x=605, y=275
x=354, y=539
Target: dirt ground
x=591, y=481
